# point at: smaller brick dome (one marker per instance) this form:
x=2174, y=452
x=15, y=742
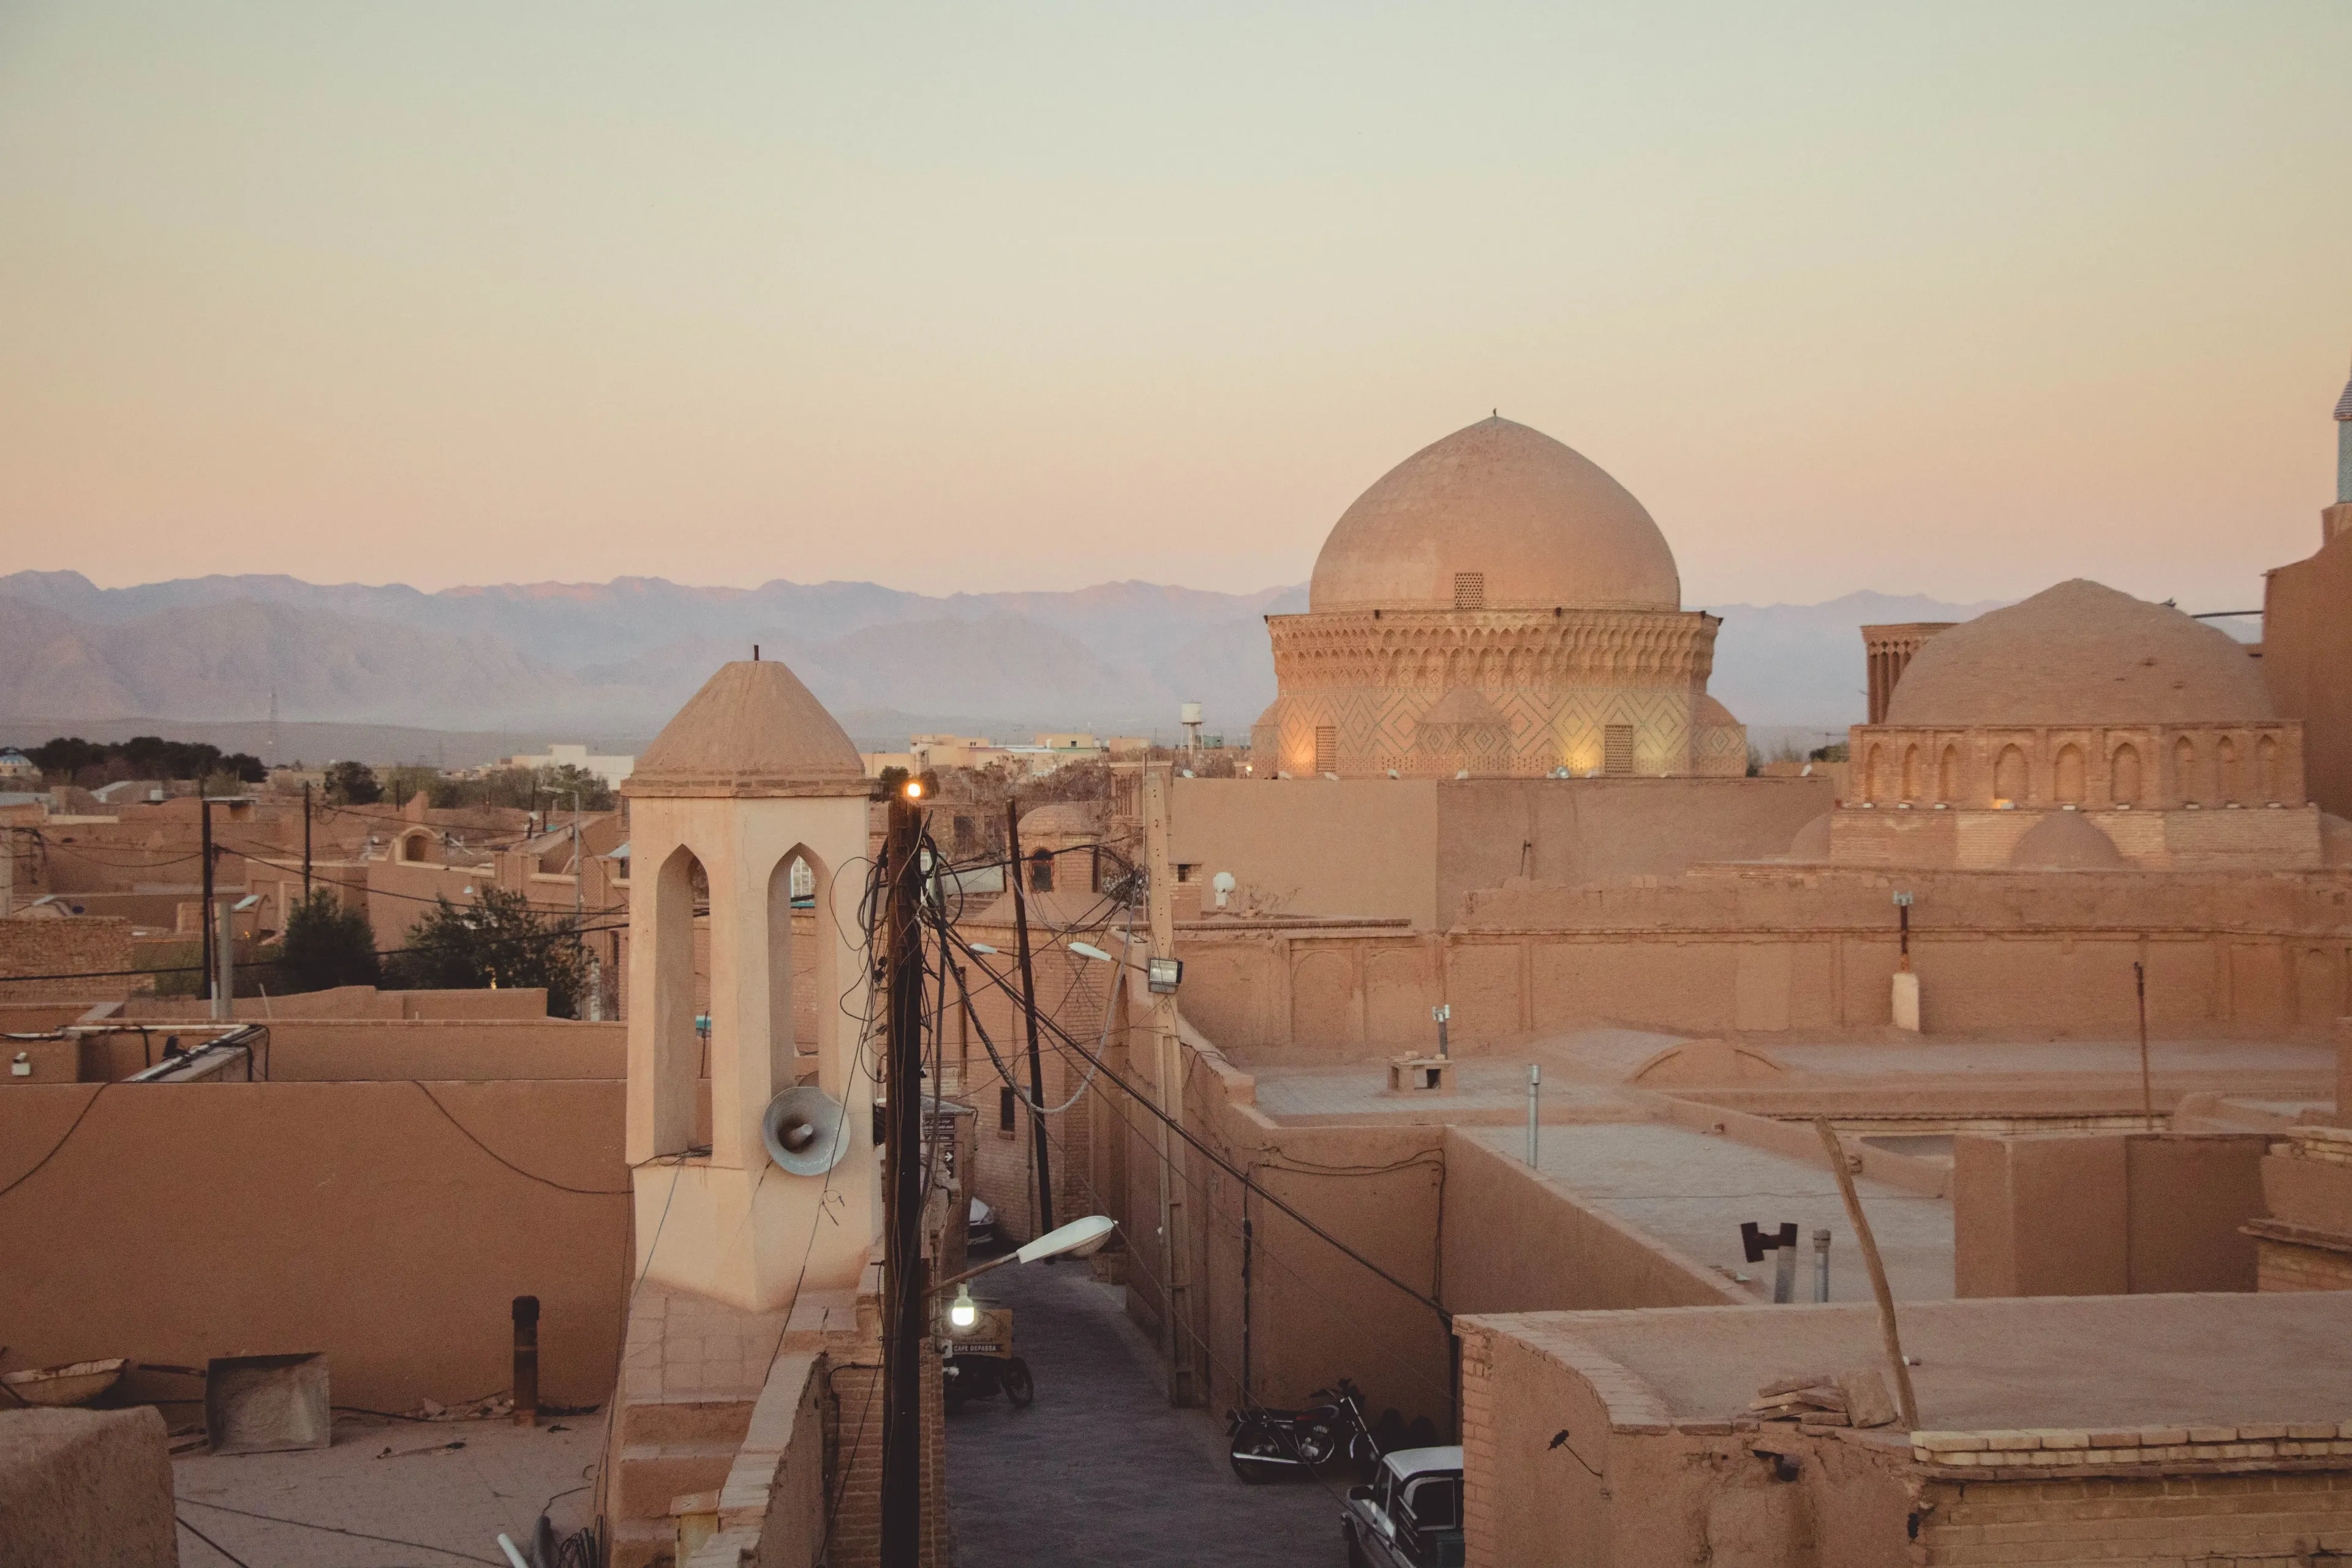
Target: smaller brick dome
x=2066, y=841
x=753, y=729
x=2079, y=653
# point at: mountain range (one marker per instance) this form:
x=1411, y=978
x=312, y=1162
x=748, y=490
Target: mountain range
x=613, y=660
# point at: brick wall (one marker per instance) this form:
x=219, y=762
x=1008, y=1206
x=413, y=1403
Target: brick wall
x=2285, y=1265
x=853, y=1440
x=2281, y=1518
x=75, y=945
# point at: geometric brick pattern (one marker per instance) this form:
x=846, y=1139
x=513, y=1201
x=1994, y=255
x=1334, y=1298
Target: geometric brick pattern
x=1557, y=679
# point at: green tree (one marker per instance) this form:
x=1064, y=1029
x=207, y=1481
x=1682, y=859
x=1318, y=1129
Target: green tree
x=500, y=941
x=326, y=945
x=563, y=783
x=352, y=784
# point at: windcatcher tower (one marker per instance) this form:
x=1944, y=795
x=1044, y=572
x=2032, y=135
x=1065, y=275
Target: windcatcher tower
x=750, y=777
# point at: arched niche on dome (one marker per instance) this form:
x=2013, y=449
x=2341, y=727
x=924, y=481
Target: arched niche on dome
x=2188, y=778
x=1948, y=774
x=2268, y=784
x=2229, y=772
x=2124, y=775
x=2068, y=781
x=676, y=895
x=2010, y=780
x=1911, y=785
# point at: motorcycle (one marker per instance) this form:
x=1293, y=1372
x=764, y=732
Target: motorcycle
x=1267, y=1443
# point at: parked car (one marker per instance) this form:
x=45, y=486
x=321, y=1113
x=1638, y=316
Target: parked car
x=1410, y=1516
x=980, y=1226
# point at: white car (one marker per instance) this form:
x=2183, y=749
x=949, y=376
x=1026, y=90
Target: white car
x=1411, y=1514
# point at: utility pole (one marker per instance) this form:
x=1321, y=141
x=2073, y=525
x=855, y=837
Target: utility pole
x=1029, y=1011
x=225, y=952
x=904, y=1319
x=204, y=813
x=306, y=839
x=1168, y=1083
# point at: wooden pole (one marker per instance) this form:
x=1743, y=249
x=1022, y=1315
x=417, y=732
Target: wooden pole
x=903, y=1272
x=1903, y=1396
x=1177, y=1335
x=1043, y=1153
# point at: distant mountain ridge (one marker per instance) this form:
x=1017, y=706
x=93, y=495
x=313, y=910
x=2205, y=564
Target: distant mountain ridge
x=617, y=658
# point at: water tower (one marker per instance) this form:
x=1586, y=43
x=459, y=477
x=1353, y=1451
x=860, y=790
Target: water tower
x=1188, y=715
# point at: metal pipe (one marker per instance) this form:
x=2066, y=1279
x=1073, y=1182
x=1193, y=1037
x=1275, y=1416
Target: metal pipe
x=1820, y=1266
x=1784, y=1272
x=1535, y=1104
x=525, y=1360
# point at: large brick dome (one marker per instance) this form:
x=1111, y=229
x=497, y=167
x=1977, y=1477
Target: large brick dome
x=1496, y=516
x=2080, y=654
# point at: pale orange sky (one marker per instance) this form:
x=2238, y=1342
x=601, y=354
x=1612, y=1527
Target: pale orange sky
x=1956, y=300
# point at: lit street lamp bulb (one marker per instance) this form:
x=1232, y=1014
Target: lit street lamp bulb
x=914, y=789
x=963, y=1313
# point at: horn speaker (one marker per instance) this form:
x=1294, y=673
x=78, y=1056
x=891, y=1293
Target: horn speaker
x=804, y=1130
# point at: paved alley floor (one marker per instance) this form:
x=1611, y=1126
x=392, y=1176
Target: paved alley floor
x=1100, y=1470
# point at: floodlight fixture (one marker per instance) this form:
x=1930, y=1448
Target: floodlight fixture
x=1164, y=974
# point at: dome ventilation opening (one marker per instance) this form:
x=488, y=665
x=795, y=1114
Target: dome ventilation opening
x=1469, y=590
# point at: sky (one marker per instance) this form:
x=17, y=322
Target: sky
x=1949, y=300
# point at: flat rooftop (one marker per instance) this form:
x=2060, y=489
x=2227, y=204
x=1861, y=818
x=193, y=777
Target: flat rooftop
x=2074, y=1361
x=389, y=1491
x=1588, y=1071
x=1692, y=1190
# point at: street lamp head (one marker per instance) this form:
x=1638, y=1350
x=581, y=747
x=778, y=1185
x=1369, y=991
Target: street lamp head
x=1089, y=949
x=963, y=1311
x=1078, y=1239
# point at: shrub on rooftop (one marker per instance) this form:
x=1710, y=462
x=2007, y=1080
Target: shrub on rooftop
x=326, y=945
x=498, y=940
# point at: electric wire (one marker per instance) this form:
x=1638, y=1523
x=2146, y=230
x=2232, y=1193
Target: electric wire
x=1176, y=1126
x=333, y=1530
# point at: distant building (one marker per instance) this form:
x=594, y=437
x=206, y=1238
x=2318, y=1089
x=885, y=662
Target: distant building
x=611, y=770
x=1044, y=755
x=16, y=768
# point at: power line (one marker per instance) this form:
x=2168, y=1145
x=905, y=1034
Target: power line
x=1176, y=1126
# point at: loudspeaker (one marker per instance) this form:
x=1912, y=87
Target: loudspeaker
x=804, y=1130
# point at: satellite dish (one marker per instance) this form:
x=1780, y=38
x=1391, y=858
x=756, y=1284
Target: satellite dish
x=804, y=1130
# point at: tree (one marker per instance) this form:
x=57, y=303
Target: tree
x=326, y=945
x=565, y=784
x=352, y=784
x=497, y=941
